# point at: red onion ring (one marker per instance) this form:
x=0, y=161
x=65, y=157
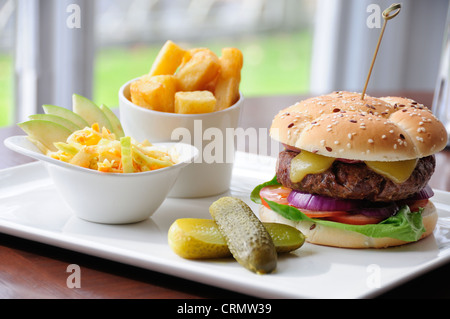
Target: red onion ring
x=324, y=204
x=425, y=193
x=384, y=211
x=320, y=203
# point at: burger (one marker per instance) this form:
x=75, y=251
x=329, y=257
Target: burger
x=354, y=172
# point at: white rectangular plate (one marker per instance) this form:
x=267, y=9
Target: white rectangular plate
x=31, y=208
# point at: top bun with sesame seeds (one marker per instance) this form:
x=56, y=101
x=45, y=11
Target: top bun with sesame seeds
x=341, y=125
x=355, y=172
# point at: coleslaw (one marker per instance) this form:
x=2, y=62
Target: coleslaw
x=100, y=150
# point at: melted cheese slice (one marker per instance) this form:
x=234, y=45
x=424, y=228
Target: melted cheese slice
x=308, y=163
x=398, y=172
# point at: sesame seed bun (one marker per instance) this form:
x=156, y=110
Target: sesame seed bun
x=342, y=125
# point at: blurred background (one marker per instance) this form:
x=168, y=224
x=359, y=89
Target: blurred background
x=50, y=49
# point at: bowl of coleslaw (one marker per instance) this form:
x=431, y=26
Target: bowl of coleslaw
x=110, y=181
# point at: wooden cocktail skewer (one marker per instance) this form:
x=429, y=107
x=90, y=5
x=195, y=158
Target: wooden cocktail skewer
x=393, y=7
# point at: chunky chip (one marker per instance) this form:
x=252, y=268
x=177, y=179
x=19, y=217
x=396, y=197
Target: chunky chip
x=168, y=59
x=155, y=92
x=196, y=70
x=227, y=85
x=194, y=102
x=199, y=68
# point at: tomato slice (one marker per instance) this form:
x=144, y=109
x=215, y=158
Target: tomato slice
x=360, y=219
x=320, y=214
x=275, y=193
x=279, y=194
x=355, y=219
x=415, y=205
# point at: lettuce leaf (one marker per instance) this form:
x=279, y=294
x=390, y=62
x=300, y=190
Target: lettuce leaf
x=254, y=196
x=405, y=225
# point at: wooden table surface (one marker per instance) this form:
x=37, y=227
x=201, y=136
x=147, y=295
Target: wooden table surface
x=33, y=270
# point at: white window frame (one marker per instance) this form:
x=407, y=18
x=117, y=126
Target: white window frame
x=52, y=60
x=344, y=45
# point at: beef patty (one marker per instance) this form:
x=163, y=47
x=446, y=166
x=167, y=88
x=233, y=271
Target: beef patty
x=356, y=180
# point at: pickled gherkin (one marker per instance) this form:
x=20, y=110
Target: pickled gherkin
x=248, y=240
x=286, y=238
x=196, y=238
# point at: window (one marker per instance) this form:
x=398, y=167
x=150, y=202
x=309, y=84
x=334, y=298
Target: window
x=7, y=10
x=91, y=48
x=61, y=47
x=409, y=54
x=275, y=37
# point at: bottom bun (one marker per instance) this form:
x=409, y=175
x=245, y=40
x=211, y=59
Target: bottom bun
x=330, y=236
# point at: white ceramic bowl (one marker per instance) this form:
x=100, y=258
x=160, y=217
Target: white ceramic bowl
x=205, y=177
x=109, y=198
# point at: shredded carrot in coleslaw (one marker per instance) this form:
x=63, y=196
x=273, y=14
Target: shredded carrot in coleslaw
x=100, y=150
